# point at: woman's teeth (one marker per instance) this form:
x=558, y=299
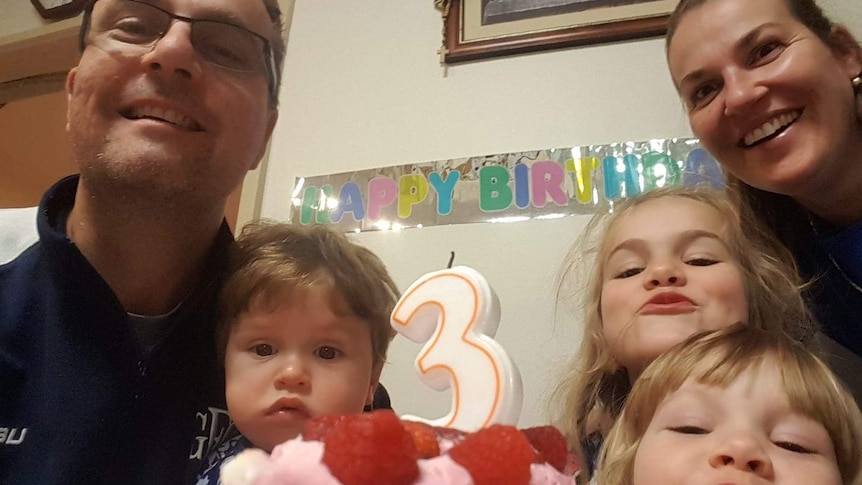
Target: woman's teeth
x=770, y=127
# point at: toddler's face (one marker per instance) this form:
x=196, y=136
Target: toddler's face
x=746, y=433
x=668, y=274
x=297, y=362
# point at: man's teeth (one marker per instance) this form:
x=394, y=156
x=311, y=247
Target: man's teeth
x=770, y=127
x=165, y=115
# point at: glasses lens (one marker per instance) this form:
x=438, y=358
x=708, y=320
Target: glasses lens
x=132, y=23
x=228, y=46
x=129, y=24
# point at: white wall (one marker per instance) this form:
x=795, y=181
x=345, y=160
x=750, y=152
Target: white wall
x=364, y=88
x=848, y=12
x=20, y=19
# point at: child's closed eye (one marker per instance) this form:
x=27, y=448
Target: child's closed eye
x=688, y=429
x=701, y=262
x=628, y=273
x=793, y=447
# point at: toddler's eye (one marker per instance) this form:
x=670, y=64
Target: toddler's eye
x=628, y=273
x=787, y=445
x=263, y=350
x=689, y=430
x=327, y=353
x=701, y=262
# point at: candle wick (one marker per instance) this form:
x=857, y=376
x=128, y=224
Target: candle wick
x=451, y=259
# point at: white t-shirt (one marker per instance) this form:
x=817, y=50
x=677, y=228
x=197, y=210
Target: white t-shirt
x=17, y=232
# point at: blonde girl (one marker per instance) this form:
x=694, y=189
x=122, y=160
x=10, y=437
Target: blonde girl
x=661, y=267
x=740, y=405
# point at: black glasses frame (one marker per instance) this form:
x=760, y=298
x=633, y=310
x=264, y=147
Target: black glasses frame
x=271, y=68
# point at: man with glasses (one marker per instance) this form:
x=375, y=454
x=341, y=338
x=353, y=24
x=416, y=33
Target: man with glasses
x=108, y=368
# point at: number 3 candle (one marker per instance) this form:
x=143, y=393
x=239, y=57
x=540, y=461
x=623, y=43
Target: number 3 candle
x=456, y=313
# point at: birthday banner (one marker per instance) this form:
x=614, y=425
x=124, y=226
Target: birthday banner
x=508, y=187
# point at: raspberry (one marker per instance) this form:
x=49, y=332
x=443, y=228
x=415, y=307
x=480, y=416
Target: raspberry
x=549, y=444
x=318, y=427
x=499, y=455
x=371, y=449
x=424, y=438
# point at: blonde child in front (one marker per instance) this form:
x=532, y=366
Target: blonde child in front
x=739, y=405
x=661, y=267
x=304, y=329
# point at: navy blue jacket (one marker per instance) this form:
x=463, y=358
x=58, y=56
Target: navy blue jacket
x=79, y=402
x=832, y=262
x=835, y=298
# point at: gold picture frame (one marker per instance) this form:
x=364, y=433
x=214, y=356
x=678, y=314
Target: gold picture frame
x=471, y=32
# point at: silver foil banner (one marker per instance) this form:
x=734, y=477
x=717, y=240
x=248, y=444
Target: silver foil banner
x=508, y=187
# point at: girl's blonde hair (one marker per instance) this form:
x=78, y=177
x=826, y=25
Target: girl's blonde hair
x=717, y=359
x=593, y=385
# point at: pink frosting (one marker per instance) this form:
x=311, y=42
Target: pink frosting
x=296, y=461
x=544, y=474
x=300, y=462
x=443, y=470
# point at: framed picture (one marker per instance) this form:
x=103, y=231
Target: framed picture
x=479, y=29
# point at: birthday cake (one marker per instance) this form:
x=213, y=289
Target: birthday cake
x=380, y=449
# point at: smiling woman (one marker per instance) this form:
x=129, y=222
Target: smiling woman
x=772, y=89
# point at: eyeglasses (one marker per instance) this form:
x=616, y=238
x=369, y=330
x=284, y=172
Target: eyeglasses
x=135, y=25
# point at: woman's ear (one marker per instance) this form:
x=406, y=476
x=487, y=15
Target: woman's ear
x=848, y=52
x=846, y=49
